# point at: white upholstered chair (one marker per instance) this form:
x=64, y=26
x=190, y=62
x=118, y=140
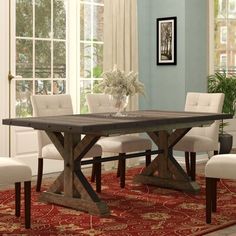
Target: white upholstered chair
x=122, y=144
x=45, y=105
x=15, y=172
x=200, y=139
x=218, y=167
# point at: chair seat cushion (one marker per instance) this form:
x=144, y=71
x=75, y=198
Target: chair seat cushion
x=196, y=143
x=221, y=166
x=12, y=171
x=50, y=152
x=124, y=144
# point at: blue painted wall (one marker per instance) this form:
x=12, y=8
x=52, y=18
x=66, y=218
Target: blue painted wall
x=166, y=86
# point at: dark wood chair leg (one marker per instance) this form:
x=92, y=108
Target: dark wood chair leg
x=40, y=174
x=27, y=190
x=98, y=174
x=187, y=163
x=216, y=152
x=193, y=165
x=93, y=175
x=208, y=200
x=214, y=194
x=118, y=169
x=17, y=199
x=122, y=161
x=148, y=158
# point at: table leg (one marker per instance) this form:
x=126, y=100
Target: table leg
x=165, y=171
x=71, y=188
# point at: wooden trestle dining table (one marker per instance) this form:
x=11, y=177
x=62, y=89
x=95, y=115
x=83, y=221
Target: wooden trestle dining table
x=165, y=128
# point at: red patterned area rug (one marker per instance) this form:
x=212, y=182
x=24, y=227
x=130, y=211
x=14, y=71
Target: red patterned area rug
x=137, y=210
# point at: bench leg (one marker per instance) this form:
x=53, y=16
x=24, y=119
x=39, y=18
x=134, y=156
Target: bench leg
x=148, y=158
x=40, y=174
x=122, y=162
x=27, y=190
x=187, y=163
x=209, y=196
x=214, y=194
x=17, y=199
x=216, y=152
x=93, y=175
x=98, y=174
x=118, y=169
x=193, y=165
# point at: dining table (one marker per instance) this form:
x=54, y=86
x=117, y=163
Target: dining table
x=74, y=135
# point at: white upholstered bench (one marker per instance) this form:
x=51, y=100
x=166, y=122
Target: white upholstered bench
x=218, y=167
x=15, y=172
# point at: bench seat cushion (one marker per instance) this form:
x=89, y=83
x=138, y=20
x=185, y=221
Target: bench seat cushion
x=12, y=171
x=221, y=166
x=125, y=144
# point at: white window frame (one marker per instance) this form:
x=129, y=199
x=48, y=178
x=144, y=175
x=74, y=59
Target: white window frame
x=4, y=68
x=211, y=42
x=223, y=56
x=223, y=34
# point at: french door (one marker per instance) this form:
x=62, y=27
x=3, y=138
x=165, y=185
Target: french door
x=56, y=48
x=39, y=60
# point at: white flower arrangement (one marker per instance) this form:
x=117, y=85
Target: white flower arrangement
x=119, y=83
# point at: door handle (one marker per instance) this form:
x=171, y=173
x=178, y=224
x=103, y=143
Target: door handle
x=11, y=77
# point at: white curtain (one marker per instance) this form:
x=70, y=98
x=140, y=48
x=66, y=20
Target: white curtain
x=121, y=44
x=121, y=38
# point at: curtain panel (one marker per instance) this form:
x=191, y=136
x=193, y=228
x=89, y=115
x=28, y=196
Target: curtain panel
x=121, y=44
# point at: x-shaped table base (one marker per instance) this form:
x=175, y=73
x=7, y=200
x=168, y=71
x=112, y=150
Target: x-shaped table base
x=71, y=188
x=165, y=171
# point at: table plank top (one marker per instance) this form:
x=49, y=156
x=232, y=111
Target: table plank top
x=107, y=123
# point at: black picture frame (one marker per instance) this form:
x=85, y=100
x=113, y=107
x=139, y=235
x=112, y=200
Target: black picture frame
x=166, y=41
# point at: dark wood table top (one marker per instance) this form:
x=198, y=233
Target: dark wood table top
x=107, y=123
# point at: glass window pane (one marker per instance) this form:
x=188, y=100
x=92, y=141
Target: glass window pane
x=42, y=18
x=59, y=19
x=24, y=58
x=59, y=87
x=85, y=22
x=220, y=8
x=232, y=9
x=43, y=87
x=85, y=60
x=42, y=59
x=59, y=60
x=24, y=89
x=99, y=1
x=97, y=60
x=24, y=13
x=85, y=87
x=98, y=23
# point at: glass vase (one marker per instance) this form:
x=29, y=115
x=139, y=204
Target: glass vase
x=120, y=103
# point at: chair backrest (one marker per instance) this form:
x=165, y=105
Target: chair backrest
x=98, y=103
x=205, y=102
x=46, y=105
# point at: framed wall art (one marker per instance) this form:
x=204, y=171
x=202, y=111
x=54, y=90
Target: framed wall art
x=167, y=41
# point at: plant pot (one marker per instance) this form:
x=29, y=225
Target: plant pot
x=226, y=143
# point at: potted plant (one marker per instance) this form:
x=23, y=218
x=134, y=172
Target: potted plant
x=221, y=83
